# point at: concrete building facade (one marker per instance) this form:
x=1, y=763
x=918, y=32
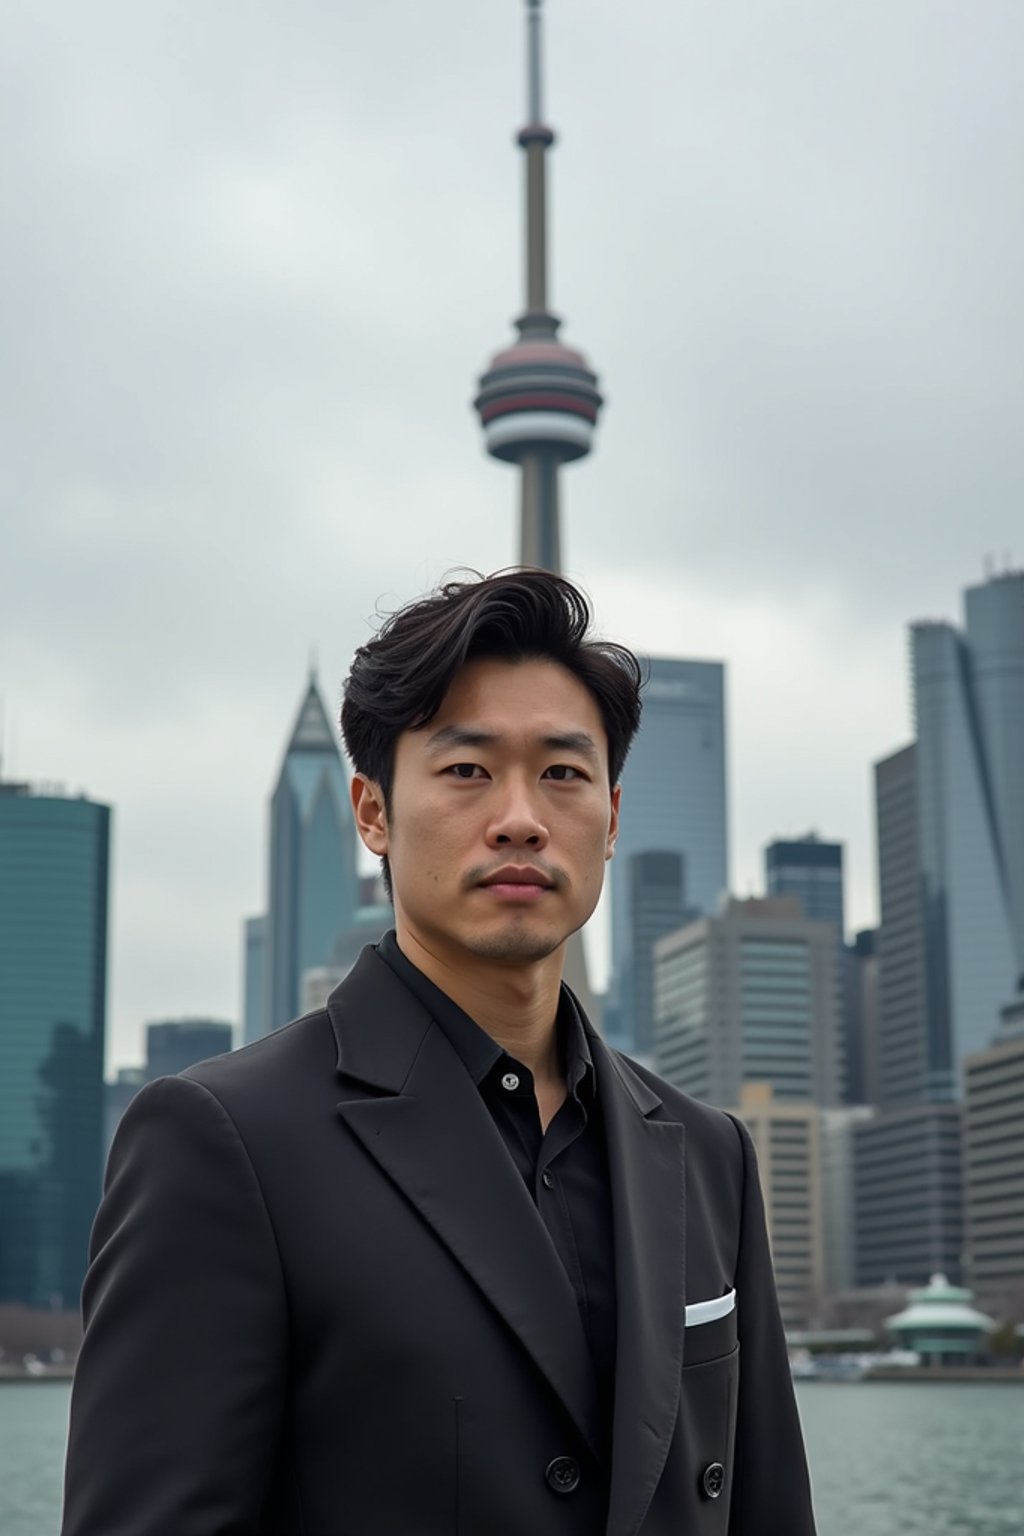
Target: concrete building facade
x=994, y=1161
x=750, y=996
x=786, y=1138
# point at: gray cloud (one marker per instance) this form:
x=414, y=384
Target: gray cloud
x=253, y=260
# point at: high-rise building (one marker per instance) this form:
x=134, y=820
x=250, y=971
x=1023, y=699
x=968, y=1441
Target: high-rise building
x=810, y=869
x=749, y=996
x=914, y=1063
x=969, y=718
x=860, y=1016
x=837, y=1194
x=173, y=1045
x=254, y=978
x=994, y=1161
x=786, y=1139
x=674, y=799
x=908, y=1202
x=314, y=887
x=54, y=882
x=657, y=905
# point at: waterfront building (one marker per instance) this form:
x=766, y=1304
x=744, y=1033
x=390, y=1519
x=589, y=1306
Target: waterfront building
x=173, y=1045
x=994, y=1160
x=314, y=886
x=908, y=1202
x=254, y=978
x=54, y=894
x=749, y=996
x=371, y=923
x=940, y=1324
x=837, y=1194
x=786, y=1137
x=673, y=799
x=969, y=717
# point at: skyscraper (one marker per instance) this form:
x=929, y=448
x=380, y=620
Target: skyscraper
x=54, y=878
x=969, y=717
x=673, y=798
x=657, y=905
x=173, y=1045
x=914, y=1061
x=811, y=869
x=749, y=996
x=313, y=881
x=538, y=401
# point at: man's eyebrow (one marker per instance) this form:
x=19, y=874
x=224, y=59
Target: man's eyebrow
x=460, y=736
x=465, y=736
x=574, y=741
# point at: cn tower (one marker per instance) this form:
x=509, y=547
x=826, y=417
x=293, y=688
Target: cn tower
x=538, y=401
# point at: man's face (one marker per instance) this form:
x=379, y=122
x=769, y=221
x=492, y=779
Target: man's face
x=501, y=814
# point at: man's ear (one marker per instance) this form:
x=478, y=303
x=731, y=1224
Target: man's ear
x=370, y=814
x=613, y=825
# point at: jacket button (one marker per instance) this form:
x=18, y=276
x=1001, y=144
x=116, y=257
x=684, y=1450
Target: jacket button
x=563, y=1474
x=713, y=1479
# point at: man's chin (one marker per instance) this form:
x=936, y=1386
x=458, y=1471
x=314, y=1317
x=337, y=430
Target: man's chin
x=515, y=946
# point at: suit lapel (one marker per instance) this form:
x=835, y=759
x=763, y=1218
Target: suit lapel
x=647, y=1171
x=431, y=1133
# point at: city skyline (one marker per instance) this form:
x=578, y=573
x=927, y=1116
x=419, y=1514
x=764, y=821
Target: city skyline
x=241, y=417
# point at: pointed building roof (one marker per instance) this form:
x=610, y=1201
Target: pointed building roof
x=313, y=731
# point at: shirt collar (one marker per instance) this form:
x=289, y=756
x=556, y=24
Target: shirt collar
x=479, y=1052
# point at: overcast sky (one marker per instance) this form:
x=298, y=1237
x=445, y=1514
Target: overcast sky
x=253, y=259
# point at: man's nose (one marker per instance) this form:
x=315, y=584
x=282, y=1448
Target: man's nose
x=517, y=822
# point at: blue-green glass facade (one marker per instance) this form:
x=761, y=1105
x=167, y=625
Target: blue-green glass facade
x=54, y=877
x=314, y=887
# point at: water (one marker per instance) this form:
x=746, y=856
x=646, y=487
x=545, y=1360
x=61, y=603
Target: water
x=886, y=1459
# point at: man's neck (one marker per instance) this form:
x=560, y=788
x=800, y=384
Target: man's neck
x=516, y=1005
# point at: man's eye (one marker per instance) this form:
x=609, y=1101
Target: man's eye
x=563, y=773
x=464, y=770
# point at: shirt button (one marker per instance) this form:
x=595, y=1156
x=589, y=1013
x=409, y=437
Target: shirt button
x=510, y=1081
x=547, y=1180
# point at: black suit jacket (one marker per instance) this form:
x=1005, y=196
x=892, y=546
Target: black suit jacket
x=322, y=1303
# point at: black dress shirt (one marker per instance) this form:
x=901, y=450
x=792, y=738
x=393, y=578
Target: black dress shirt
x=565, y=1167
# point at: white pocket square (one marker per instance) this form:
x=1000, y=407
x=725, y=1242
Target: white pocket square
x=710, y=1311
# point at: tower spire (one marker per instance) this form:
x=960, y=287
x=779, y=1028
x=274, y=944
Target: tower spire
x=538, y=400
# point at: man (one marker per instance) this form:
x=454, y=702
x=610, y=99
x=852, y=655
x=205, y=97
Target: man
x=433, y=1261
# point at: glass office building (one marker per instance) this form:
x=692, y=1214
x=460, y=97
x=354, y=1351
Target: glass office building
x=314, y=888
x=673, y=800
x=54, y=876
x=969, y=717
x=811, y=869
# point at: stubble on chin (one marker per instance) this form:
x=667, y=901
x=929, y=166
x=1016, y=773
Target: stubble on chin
x=523, y=948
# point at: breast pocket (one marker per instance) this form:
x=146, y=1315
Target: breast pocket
x=706, y=1428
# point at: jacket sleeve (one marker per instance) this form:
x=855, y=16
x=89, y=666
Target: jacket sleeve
x=771, y=1493
x=178, y=1393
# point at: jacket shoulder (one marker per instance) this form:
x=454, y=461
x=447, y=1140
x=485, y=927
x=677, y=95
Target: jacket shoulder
x=273, y=1067
x=708, y=1128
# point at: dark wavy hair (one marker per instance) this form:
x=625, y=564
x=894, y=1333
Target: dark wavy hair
x=399, y=678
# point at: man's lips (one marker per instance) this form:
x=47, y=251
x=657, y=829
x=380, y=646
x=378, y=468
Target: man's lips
x=518, y=882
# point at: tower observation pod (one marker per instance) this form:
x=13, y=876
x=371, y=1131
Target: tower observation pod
x=538, y=401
